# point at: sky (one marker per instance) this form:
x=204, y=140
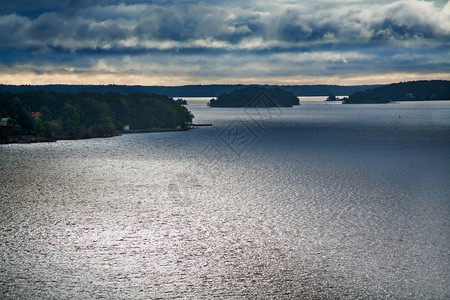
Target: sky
x=168, y=42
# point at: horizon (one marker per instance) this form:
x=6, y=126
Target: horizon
x=166, y=43
x=219, y=84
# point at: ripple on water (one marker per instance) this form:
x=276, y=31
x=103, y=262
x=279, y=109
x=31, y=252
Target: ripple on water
x=312, y=208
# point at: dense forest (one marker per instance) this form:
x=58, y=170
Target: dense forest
x=52, y=115
x=255, y=97
x=403, y=91
x=211, y=90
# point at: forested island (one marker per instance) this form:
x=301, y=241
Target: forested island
x=403, y=91
x=35, y=116
x=255, y=97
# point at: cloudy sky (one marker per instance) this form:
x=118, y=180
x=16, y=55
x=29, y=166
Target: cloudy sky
x=169, y=42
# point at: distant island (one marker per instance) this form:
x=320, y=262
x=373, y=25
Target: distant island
x=36, y=116
x=403, y=91
x=207, y=90
x=255, y=97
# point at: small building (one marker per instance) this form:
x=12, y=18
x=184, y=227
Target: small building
x=4, y=121
x=126, y=127
x=36, y=114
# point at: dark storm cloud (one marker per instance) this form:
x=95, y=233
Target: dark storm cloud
x=113, y=25
x=330, y=33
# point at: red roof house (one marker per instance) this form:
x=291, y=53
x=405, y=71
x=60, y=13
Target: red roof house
x=36, y=114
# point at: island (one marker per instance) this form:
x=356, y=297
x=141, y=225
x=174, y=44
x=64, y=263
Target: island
x=424, y=90
x=256, y=97
x=39, y=116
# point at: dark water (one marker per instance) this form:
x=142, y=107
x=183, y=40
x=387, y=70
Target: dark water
x=317, y=201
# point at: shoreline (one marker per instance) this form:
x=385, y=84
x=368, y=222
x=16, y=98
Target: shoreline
x=151, y=130
x=31, y=139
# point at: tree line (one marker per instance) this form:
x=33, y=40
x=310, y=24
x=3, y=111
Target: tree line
x=207, y=90
x=87, y=114
x=404, y=91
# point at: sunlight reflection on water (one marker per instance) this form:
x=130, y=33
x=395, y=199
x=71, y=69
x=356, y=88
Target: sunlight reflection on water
x=324, y=202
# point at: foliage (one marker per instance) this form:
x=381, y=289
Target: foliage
x=255, y=97
x=208, y=90
x=404, y=91
x=87, y=114
x=181, y=101
x=41, y=129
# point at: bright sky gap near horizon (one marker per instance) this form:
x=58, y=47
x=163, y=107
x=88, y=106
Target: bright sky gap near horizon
x=170, y=42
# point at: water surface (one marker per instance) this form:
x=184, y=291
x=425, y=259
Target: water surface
x=315, y=201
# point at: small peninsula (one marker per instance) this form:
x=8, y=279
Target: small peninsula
x=255, y=97
x=41, y=116
x=404, y=91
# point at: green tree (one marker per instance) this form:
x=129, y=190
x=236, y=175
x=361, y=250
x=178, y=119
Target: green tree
x=46, y=114
x=105, y=126
x=21, y=114
x=70, y=118
x=3, y=113
x=40, y=128
x=87, y=114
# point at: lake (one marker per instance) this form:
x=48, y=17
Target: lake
x=315, y=201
